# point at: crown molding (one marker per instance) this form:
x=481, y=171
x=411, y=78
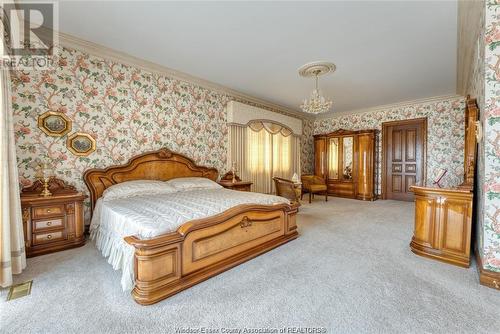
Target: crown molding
x=440, y=98
x=72, y=42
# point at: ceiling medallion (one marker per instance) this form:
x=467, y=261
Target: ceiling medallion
x=317, y=103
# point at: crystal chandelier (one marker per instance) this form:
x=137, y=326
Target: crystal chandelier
x=317, y=103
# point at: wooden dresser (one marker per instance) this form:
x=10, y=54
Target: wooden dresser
x=346, y=160
x=443, y=220
x=52, y=223
x=443, y=216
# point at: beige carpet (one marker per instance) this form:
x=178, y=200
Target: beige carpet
x=350, y=271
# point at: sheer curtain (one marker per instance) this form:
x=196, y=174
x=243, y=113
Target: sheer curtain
x=263, y=150
x=12, y=255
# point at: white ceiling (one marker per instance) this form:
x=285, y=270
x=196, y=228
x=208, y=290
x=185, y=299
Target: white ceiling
x=385, y=52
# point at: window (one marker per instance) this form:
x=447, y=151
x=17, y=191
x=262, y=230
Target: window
x=269, y=153
x=268, y=149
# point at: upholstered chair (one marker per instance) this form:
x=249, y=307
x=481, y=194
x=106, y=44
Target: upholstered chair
x=288, y=189
x=314, y=184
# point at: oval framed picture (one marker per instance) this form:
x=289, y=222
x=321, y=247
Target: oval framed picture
x=81, y=144
x=54, y=123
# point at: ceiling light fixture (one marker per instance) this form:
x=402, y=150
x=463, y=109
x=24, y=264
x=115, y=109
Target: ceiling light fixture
x=317, y=103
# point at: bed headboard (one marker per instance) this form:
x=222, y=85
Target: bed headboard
x=160, y=165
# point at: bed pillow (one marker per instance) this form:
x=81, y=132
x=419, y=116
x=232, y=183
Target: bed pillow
x=191, y=183
x=137, y=188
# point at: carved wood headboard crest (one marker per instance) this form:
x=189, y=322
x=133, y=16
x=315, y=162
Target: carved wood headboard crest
x=161, y=165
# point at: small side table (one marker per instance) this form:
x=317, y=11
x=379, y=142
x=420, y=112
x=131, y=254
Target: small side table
x=52, y=223
x=298, y=189
x=238, y=185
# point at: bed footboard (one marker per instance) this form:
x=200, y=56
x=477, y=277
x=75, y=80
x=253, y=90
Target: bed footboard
x=206, y=247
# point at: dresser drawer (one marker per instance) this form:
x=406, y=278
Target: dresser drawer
x=47, y=223
x=42, y=238
x=48, y=211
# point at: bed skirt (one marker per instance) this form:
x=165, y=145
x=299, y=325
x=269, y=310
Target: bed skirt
x=120, y=254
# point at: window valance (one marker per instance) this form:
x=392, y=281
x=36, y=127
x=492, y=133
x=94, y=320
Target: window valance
x=245, y=115
x=271, y=127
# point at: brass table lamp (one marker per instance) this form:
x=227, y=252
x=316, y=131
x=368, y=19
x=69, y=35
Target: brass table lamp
x=44, y=174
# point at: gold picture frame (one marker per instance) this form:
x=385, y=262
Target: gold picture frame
x=54, y=123
x=81, y=144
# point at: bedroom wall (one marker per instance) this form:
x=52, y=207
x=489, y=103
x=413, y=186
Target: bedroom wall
x=445, y=128
x=489, y=167
x=127, y=110
x=483, y=84
x=475, y=88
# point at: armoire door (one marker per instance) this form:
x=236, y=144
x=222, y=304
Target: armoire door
x=320, y=156
x=365, y=173
x=403, y=157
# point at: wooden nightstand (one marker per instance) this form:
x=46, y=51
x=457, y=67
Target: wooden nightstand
x=238, y=185
x=52, y=223
x=227, y=182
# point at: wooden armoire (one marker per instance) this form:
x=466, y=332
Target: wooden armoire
x=346, y=160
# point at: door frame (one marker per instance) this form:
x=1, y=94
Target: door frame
x=385, y=125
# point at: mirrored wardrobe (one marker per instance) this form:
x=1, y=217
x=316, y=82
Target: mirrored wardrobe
x=346, y=160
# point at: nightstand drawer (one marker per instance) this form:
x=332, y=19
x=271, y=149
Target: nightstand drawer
x=49, y=223
x=48, y=211
x=41, y=238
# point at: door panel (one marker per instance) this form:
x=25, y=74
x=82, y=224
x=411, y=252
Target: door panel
x=411, y=149
x=397, y=183
x=396, y=146
x=409, y=181
x=404, y=147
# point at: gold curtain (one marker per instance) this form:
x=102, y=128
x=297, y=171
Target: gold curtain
x=260, y=154
x=263, y=150
x=12, y=254
x=237, y=149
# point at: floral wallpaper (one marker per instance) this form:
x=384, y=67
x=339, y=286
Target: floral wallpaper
x=128, y=111
x=445, y=129
x=475, y=88
x=307, y=151
x=491, y=141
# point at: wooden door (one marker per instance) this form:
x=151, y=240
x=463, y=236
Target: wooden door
x=320, y=156
x=403, y=150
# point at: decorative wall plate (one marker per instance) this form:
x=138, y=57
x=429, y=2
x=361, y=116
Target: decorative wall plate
x=81, y=144
x=54, y=123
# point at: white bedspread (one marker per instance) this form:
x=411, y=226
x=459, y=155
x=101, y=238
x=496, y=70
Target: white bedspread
x=148, y=216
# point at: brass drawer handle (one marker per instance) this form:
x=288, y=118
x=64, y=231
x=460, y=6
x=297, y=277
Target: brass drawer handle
x=49, y=236
x=49, y=211
x=49, y=223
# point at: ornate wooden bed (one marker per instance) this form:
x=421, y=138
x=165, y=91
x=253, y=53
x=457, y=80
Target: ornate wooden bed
x=201, y=248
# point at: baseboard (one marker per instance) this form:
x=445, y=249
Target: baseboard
x=487, y=278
